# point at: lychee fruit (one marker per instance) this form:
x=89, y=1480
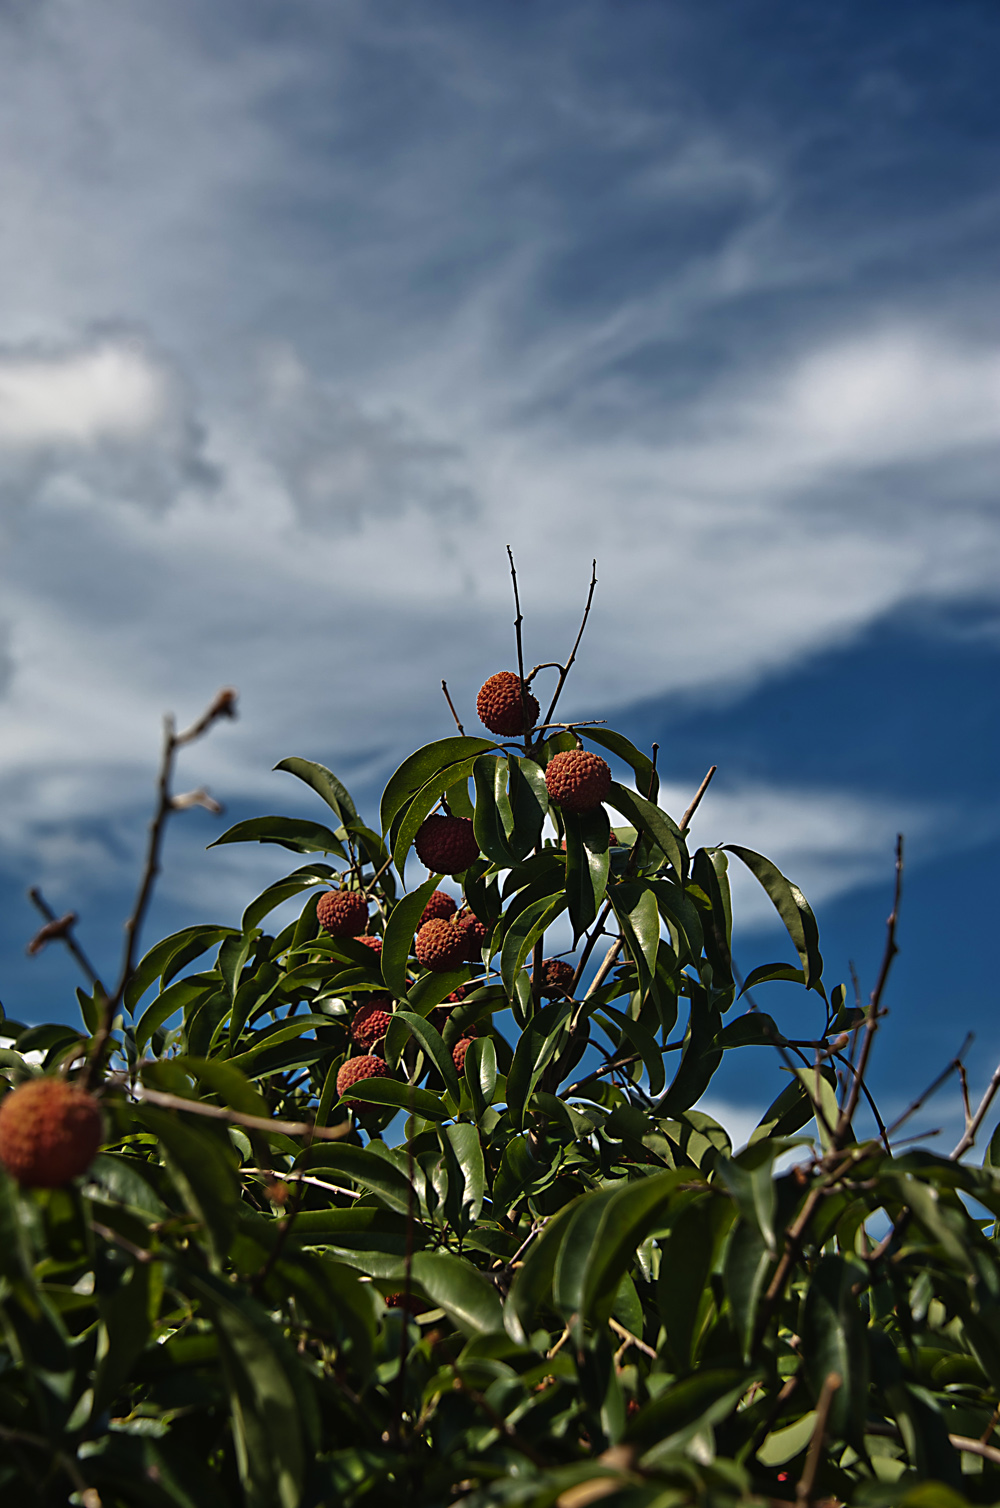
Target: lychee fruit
x=371, y=1021
x=476, y=935
x=499, y=704
x=441, y=946
x=557, y=978
x=459, y=1051
x=456, y=995
x=50, y=1131
x=375, y=943
x=356, y=1069
x=440, y=907
x=578, y=780
x=342, y=913
x=447, y=845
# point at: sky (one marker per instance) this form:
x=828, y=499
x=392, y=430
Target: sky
x=308, y=309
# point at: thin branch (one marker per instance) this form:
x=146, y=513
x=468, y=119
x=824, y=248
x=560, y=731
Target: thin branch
x=804, y=1489
x=237, y=1118
x=61, y=928
x=976, y=1448
x=451, y=704
x=631, y=1340
x=307, y=1178
x=564, y=670
x=872, y=1019
x=685, y=822
x=931, y=1089
x=972, y=1128
x=518, y=620
x=223, y=705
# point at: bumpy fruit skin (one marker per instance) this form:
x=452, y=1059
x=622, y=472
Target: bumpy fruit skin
x=375, y=943
x=370, y=1022
x=447, y=845
x=342, y=913
x=50, y=1132
x=440, y=907
x=459, y=1051
x=441, y=946
x=356, y=1069
x=475, y=934
x=557, y=978
x=499, y=704
x=578, y=781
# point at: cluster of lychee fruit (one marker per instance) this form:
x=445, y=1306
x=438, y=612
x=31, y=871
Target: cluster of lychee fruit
x=50, y=1132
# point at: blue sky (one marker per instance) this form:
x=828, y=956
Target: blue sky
x=306, y=310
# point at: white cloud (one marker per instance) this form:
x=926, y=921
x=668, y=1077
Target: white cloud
x=109, y=391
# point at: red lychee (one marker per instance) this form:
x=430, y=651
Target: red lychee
x=476, y=935
x=375, y=943
x=459, y=1051
x=499, y=704
x=557, y=978
x=441, y=946
x=440, y=907
x=578, y=780
x=447, y=845
x=50, y=1131
x=371, y=1021
x=356, y=1069
x=456, y=995
x=342, y=913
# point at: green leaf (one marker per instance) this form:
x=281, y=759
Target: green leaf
x=745, y=1272
x=524, y=932
x=283, y=890
x=529, y=803
x=481, y=1074
x=422, y=803
x=532, y=1285
x=224, y=1079
x=124, y=1332
x=601, y=1240
x=541, y=1040
x=649, y=819
x=833, y=1340
x=287, y=832
x=787, y=1114
x=793, y=908
x=406, y=1024
x=204, y=1168
x=415, y=771
x=493, y=820
x=646, y=778
x=376, y=1174
x=639, y=922
x=644, y=1043
x=765, y=973
x=750, y=1180
x=823, y=1095
x=468, y=1299
x=684, y=1288
x=587, y=865
x=401, y=1096
x=324, y=783
x=466, y=1174
x=169, y=957
x=397, y=939
x=275, y=1424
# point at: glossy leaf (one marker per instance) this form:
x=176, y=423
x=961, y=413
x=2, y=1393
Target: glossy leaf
x=793, y=908
x=587, y=865
x=324, y=783
x=400, y=1096
x=288, y=832
x=397, y=940
x=415, y=771
x=654, y=823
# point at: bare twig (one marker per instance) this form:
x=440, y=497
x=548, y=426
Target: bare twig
x=307, y=1178
x=564, y=670
x=805, y=1485
x=518, y=620
x=972, y=1128
x=932, y=1088
x=699, y=793
x=223, y=705
x=631, y=1340
x=62, y=928
x=237, y=1118
x=451, y=704
x=976, y=1448
x=872, y=1019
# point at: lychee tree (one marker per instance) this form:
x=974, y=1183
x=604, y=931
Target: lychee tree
x=410, y=1198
